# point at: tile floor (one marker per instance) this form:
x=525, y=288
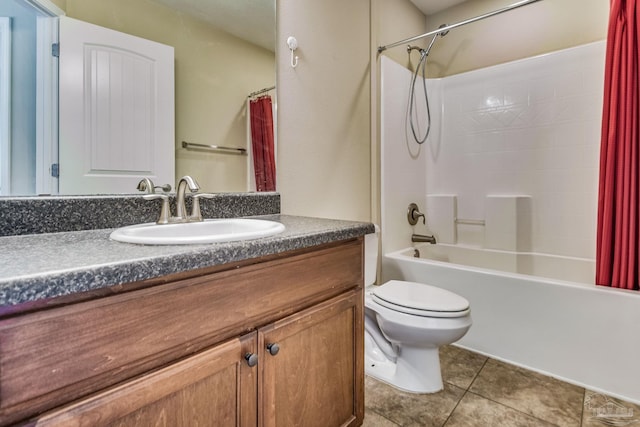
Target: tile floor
x=480, y=391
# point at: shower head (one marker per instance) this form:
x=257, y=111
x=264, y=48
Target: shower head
x=433, y=40
x=425, y=52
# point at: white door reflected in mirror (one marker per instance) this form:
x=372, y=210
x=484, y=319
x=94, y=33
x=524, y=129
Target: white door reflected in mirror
x=116, y=110
x=5, y=105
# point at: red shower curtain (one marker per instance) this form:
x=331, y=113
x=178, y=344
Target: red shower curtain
x=262, y=147
x=617, y=256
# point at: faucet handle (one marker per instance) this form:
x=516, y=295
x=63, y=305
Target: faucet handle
x=195, y=208
x=164, y=212
x=413, y=213
x=146, y=184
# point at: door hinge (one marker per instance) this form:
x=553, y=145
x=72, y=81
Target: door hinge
x=55, y=170
x=55, y=50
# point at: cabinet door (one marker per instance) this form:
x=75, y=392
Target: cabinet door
x=316, y=377
x=216, y=387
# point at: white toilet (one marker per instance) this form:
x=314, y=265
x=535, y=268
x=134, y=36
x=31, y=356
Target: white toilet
x=405, y=324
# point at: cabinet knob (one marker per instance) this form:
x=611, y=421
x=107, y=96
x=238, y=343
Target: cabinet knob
x=251, y=358
x=273, y=348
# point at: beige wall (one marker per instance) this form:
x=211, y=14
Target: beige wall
x=396, y=20
x=62, y=4
x=214, y=74
x=531, y=30
x=323, y=109
x=391, y=20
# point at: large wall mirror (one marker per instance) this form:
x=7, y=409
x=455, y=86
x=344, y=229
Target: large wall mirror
x=224, y=51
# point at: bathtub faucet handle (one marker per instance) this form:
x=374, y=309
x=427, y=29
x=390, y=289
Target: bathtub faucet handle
x=413, y=213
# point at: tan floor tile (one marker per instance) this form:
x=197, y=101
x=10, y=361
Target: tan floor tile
x=476, y=411
x=371, y=419
x=601, y=410
x=409, y=409
x=543, y=397
x=460, y=366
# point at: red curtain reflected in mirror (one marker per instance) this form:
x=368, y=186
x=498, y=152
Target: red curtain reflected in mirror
x=262, y=146
x=618, y=214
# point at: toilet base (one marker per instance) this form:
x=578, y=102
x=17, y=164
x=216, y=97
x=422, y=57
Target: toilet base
x=417, y=370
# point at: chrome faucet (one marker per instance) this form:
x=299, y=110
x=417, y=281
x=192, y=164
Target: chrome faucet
x=423, y=239
x=413, y=214
x=181, y=210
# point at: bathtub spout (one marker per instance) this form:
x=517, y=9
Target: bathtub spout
x=420, y=238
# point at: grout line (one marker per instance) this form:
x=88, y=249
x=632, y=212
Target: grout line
x=454, y=408
x=383, y=416
x=478, y=373
x=535, y=416
x=465, y=392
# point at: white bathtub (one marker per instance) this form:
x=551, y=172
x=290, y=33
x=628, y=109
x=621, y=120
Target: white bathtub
x=555, y=322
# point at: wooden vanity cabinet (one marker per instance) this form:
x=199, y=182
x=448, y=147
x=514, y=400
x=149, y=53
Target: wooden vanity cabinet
x=274, y=343
x=315, y=376
x=213, y=388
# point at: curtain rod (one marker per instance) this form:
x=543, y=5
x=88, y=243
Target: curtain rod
x=258, y=92
x=459, y=24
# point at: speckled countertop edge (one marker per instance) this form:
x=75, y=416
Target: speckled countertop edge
x=43, y=266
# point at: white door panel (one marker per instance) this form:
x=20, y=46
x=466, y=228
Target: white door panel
x=5, y=106
x=116, y=110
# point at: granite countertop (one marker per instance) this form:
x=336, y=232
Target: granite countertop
x=38, y=267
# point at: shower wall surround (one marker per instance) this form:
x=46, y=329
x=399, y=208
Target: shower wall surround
x=529, y=127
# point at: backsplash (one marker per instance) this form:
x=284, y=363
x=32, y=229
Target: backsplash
x=35, y=215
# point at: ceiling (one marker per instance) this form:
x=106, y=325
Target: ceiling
x=251, y=20
x=429, y=7
x=254, y=20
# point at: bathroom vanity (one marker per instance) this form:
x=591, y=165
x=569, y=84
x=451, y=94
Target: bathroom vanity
x=266, y=332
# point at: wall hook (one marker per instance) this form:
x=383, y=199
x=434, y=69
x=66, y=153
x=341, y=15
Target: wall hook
x=293, y=45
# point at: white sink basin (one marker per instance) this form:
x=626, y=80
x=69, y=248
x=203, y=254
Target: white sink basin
x=207, y=231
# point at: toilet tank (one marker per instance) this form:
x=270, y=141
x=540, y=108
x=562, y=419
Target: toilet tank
x=371, y=257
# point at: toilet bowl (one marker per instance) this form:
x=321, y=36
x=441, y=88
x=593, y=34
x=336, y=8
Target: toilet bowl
x=405, y=324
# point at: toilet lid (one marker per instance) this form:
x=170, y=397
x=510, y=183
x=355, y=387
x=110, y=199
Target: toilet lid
x=416, y=297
